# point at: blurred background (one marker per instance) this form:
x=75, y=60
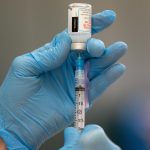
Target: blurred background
x=124, y=109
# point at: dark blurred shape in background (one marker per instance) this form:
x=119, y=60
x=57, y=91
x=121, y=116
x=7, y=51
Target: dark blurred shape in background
x=130, y=127
x=122, y=111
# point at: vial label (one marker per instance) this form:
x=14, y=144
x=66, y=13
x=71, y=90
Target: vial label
x=79, y=18
x=84, y=20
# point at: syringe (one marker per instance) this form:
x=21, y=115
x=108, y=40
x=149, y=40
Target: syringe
x=79, y=29
x=80, y=94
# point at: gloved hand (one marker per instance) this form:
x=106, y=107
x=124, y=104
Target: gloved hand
x=37, y=96
x=92, y=137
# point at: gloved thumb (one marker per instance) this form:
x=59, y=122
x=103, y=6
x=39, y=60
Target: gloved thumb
x=71, y=135
x=45, y=58
x=94, y=137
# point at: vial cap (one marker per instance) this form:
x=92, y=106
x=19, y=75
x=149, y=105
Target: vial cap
x=78, y=46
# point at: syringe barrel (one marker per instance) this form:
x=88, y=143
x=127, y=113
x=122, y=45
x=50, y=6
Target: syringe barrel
x=80, y=108
x=79, y=25
x=80, y=94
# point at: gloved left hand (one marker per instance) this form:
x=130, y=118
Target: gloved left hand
x=37, y=96
x=92, y=137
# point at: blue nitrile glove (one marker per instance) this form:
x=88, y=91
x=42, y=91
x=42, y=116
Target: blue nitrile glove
x=92, y=137
x=37, y=96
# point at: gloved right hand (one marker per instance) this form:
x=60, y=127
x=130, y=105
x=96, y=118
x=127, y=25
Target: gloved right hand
x=37, y=97
x=92, y=137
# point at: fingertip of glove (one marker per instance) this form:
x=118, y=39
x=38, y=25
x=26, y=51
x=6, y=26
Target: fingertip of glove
x=95, y=47
x=102, y=20
x=116, y=71
x=119, y=48
x=110, y=14
x=122, y=67
x=122, y=45
x=93, y=127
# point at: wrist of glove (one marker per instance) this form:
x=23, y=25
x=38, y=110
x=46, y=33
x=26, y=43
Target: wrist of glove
x=12, y=142
x=92, y=137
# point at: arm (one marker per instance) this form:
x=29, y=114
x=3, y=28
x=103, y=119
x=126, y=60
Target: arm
x=2, y=145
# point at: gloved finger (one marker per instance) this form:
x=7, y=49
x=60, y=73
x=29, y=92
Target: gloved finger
x=91, y=127
x=99, y=84
x=95, y=47
x=52, y=57
x=71, y=135
x=93, y=136
x=102, y=20
x=112, y=54
x=45, y=58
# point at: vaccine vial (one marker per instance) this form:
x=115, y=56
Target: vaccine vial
x=79, y=25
